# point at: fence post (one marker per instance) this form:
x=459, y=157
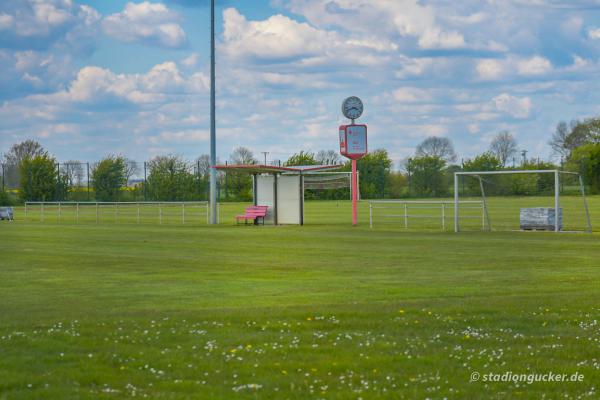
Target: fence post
x=443, y=216
x=405, y=216
x=370, y=215
x=88, y=181
x=145, y=183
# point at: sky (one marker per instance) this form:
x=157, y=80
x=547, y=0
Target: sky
x=90, y=78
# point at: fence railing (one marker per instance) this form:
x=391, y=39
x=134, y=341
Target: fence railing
x=421, y=210
x=119, y=212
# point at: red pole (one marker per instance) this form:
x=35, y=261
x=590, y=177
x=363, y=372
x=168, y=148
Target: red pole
x=354, y=192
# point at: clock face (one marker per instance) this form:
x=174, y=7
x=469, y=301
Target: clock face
x=352, y=108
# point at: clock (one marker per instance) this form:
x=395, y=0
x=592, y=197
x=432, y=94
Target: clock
x=352, y=108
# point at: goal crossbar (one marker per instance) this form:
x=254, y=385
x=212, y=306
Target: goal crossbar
x=557, y=173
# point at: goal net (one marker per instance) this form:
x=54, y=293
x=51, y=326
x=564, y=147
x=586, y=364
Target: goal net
x=425, y=214
x=525, y=200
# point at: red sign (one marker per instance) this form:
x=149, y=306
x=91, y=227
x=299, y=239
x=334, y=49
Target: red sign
x=353, y=141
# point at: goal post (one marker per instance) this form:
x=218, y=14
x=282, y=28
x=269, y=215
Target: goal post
x=544, y=185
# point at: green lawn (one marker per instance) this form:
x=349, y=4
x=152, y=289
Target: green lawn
x=107, y=310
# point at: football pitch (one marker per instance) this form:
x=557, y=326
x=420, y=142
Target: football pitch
x=324, y=311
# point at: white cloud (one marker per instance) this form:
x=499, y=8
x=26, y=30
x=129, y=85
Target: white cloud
x=95, y=85
x=384, y=18
x=490, y=69
x=277, y=37
x=437, y=39
x=516, y=107
x=594, y=33
x=472, y=19
x=473, y=128
x=536, y=65
x=6, y=21
x=151, y=23
x=190, y=61
x=411, y=95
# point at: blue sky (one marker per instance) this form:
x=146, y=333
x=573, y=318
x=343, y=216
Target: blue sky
x=90, y=78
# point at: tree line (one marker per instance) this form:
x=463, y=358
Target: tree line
x=429, y=173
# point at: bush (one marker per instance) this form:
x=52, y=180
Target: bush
x=108, y=177
x=5, y=199
x=39, y=180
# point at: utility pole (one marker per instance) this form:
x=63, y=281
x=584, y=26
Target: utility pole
x=524, y=154
x=213, y=134
x=265, y=153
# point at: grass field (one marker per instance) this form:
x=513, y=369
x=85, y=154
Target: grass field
x=324, y=311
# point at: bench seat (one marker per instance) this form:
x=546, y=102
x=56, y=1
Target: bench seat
x=253, y=213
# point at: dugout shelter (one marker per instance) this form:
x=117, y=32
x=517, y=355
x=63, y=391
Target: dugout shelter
x=280, y=188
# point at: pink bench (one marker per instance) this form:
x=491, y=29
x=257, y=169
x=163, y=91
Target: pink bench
x=253, y=214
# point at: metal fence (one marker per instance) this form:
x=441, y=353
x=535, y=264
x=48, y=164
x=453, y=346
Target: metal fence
x=119, y=212
x=430, y=214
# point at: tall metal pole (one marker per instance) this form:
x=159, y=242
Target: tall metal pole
x=456, y=226
x=213, y=135
x=556, y=201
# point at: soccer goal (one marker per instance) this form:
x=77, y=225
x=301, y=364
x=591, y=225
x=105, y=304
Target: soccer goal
x=425, y=214
x=535, y=200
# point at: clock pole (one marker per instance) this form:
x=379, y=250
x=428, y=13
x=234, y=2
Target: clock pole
x=353, y=144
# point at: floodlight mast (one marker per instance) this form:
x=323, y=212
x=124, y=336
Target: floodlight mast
x=213, y=135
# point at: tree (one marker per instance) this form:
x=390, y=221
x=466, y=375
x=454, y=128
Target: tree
x=437, y=147
x=586, y=160
x=131, y=169
x=170, y=179
x=39, y=180
x=374, y=172
x=108, y=177
x=72, y=173
x=483, y=162
x=503, y=146
x=301, y=158
x=17, y=153
x=583, y=133
x=328, y=157
x=203, y=165
x=559, y=140
x=20, y=151
x=240, y=184
x=243, y=156
x=427, y=176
